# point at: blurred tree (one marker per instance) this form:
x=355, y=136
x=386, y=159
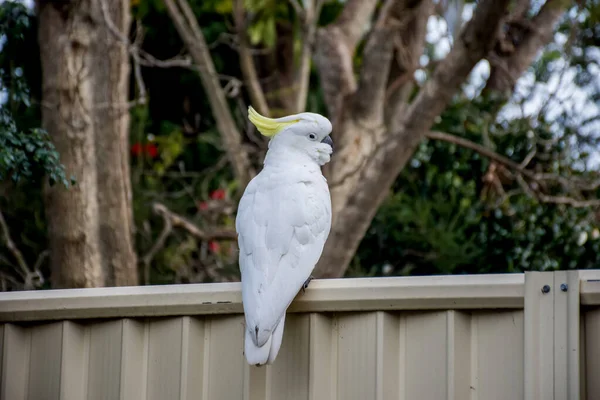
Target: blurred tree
x=481, y=193
x=454, y=211
x=366, y=57
x=85, y=74
x=111, y=137
x=483, y=202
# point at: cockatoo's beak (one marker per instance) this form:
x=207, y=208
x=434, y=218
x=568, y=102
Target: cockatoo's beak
x=328, y=141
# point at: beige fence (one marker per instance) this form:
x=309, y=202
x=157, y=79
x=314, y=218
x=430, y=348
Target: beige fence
x=505, y=337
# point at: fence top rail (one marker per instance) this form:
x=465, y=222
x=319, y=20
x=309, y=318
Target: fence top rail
x=590, y=292
x=329, y=295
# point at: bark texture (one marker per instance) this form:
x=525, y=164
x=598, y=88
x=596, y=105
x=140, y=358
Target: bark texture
x=246, y=61
x=335, y=47
x=111, y=128
x=67, y=34
x=520, y=45
x=85, y=90
x=358, y=193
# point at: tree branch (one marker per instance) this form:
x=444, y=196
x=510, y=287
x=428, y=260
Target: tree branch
x=569, y=201
x=519, y=9
x=31, y=279
x=192, y=36
x=309, y=17
x=180, y=222
x=475, y=42
x=409, y=44
x=484, y=151
x=369, y=97
x=336, y=44
x=353, y=20
x=139, y=58
x=520, y=169
x=401, y=29
x=158, y=244
x=12, y=247
x=257, y=96
x=523, y=40
x=297, y=8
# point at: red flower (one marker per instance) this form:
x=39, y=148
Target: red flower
x=203, y=205
x=151, y=150
x=136, y=149
x=214, y=247
x=218, y=194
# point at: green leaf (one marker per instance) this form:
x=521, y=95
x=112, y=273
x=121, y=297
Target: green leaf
x=224, y=7
x=255, y=32
x=270, y=34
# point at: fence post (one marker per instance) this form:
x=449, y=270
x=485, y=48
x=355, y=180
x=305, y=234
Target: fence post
x=567, y=330
x=539, y=336
x=590, y=334
x=552, y=336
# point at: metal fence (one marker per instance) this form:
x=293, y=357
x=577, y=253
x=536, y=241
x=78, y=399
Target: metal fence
x=479, y=337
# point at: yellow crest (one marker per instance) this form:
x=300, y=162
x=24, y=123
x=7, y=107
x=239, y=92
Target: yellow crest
x=268, y=126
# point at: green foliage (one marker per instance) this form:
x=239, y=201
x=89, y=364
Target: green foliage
x=20, y=73
x=442, y=218
x=183, y=174
x=443, y=215
x=264, y=17
x=27, y=155
x=25, y=150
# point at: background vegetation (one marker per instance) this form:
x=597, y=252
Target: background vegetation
x=453, y=209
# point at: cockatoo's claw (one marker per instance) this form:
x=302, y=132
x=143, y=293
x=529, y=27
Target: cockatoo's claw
x=305, y=285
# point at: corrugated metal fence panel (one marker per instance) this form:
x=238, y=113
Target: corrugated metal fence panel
x=345, y=356
x=425, y=338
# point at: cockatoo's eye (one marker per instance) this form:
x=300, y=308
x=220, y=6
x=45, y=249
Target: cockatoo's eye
x=312, y=136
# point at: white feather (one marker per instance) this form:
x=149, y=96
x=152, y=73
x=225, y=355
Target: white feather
x=283, y=221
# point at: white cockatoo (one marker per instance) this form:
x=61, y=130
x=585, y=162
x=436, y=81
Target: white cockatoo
x=283, y=221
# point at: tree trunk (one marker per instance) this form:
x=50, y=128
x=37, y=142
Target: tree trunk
x=111, y=84
x=374, y=150
x=66, y=35
x=372, y=154
x=85, y=91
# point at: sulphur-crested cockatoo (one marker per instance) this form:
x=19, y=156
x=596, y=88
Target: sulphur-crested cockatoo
x=283, y=221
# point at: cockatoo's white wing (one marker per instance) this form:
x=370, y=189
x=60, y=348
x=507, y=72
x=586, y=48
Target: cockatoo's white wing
x=283, y=222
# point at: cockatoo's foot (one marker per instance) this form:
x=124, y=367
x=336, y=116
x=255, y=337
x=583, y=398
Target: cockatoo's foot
x=310, y=278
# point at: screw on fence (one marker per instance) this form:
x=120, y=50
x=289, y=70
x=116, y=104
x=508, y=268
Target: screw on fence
x=546, y=289
x=564, y=287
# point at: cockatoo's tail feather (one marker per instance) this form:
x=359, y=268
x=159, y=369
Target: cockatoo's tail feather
x=256, y=355
x=268, y=352
x=276, y=340
x=269, y=126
